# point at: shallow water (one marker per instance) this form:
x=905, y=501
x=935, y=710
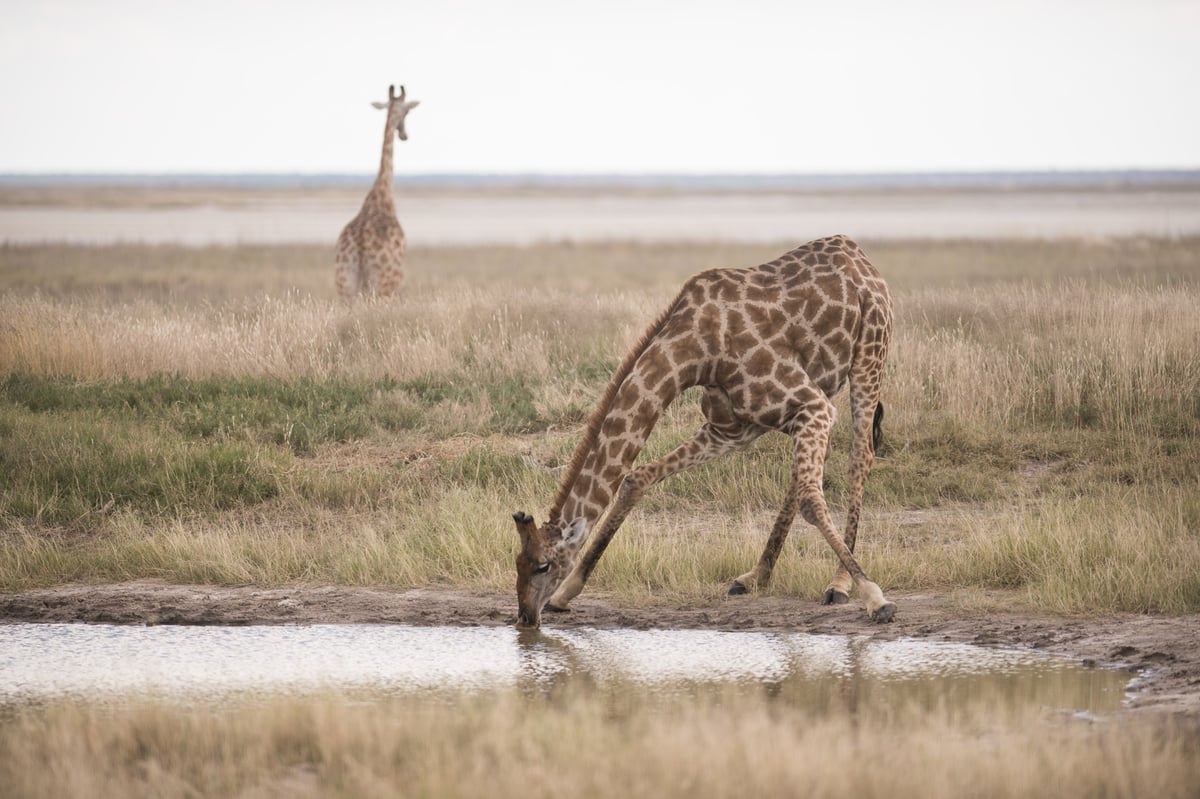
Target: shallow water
x=499, y=217
x=41, y=661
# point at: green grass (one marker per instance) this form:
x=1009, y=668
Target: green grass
x=60, y=469
x=298, y=415
x=1042, y=430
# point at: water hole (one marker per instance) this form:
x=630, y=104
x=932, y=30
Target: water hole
x=90, y=661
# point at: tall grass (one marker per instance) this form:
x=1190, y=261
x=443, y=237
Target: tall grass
x=603, y=742
x=1072, y=353
x=219, y=432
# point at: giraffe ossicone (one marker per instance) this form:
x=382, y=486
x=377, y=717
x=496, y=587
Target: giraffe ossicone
x=370, y=250
x=769, y=346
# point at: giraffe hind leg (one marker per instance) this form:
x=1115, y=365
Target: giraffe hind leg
x=345, y=278
x=866, y=433
x=348, y=274
x=391, y=266
x=810, y=435
x=760, y=576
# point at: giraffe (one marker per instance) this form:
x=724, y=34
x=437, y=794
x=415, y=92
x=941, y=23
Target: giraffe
x=769, y=346
x=370, y=249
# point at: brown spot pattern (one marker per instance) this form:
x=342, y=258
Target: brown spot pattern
x=770, y=345
x=370, y=250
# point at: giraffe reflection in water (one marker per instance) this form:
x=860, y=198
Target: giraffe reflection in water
x=819, y=674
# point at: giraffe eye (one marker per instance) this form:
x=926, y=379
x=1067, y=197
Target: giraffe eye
x=543, y=568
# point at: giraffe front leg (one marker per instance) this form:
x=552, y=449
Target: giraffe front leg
x=631, y=491
x=571, y=587
x=760, y=575
x=710, y=441
x=867, y=417
x=838, y=590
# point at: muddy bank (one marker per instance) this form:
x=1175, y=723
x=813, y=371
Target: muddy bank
x=1163, y=650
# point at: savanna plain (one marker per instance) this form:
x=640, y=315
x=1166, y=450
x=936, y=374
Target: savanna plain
x=190, y=434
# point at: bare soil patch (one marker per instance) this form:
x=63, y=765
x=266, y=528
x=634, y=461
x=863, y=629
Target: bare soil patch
x=1163, y=650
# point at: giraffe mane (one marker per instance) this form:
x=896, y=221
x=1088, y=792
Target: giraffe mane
x=592, y=430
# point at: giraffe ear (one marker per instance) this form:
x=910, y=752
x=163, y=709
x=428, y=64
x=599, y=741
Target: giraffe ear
x=380, y=106
x=575, y=533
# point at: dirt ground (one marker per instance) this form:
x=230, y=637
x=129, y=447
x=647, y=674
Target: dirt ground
x=1163, y=650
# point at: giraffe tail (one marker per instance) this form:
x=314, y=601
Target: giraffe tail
x=877, y=427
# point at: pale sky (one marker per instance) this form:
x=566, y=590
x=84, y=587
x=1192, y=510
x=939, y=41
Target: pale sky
x=543, y=86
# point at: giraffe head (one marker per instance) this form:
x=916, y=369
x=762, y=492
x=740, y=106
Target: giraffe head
x=546, y=557
x=398, y=109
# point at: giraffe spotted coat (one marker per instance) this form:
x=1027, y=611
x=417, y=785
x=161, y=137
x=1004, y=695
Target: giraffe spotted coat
x=770, y=346
x=369, y=255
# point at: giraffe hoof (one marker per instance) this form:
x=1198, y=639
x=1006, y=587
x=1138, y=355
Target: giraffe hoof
x=835, y=597
x=883, y=614
x=555, y=608
x=736, y=589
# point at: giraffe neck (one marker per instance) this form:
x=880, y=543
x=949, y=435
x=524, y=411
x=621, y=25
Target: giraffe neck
x=382, y=190
x=618, y=439
x=597, y=466
x=635, y=411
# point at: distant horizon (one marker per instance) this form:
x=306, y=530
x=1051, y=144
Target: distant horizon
x=1010, y=178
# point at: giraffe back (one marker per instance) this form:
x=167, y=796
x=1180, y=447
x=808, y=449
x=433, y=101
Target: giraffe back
x=810, y=314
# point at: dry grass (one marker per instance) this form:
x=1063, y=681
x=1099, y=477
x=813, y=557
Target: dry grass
x=296, y=336
x=593, y=743
x=284, y=436
x=216, y=416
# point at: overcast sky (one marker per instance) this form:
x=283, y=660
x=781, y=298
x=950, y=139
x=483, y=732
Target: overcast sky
x=555, y=86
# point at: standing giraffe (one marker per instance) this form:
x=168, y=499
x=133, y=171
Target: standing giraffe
x=370, y=249
x=769, y=345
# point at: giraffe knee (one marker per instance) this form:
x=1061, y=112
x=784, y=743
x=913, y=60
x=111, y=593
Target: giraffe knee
x=635, y=484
